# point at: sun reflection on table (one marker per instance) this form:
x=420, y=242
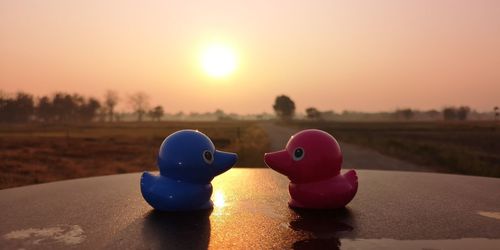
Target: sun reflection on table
x=218, y=199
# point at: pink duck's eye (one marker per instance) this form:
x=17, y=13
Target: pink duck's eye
x=298, y=154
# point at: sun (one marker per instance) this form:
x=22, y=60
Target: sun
x=218, y=60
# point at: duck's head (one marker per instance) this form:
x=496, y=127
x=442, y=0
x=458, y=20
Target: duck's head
x=189, y=155
x=310, y=155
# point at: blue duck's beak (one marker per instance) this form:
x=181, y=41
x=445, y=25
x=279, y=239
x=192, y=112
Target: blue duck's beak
x=223, y=161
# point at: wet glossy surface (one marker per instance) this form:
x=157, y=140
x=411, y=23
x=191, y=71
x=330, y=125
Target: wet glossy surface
x=392, y=210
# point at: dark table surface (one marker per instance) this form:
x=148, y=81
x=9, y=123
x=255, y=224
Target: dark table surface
x=392, y=210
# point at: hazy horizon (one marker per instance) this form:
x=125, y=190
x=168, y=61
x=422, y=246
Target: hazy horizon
x=357, y=55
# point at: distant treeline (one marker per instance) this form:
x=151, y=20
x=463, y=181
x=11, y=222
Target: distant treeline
x=63, y=107
x=59, y=108
x=461, y=113
x=449, y=113
x=284, y=108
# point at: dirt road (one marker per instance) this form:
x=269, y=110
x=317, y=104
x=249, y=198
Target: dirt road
x=355, y=157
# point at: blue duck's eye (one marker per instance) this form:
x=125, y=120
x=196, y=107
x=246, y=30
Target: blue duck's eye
x=208, y=157
x=298, y=154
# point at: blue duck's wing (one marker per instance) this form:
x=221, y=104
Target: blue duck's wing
x=223, y=161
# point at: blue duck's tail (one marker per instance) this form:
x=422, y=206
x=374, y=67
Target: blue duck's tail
x=146, y=179
x=147, y=183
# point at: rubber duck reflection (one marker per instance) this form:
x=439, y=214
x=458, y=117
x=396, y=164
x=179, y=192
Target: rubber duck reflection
x=177, y=230
x=323, y=227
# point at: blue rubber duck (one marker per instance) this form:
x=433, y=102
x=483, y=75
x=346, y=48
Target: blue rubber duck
x=188, y=162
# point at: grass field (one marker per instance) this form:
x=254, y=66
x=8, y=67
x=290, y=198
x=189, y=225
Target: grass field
x=458, y=147
x=38, y=153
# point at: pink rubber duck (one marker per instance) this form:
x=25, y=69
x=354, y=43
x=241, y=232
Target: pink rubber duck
x=312, y=161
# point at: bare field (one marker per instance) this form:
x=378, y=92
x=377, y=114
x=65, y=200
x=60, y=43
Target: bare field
x=38, y=153
x=470, y=147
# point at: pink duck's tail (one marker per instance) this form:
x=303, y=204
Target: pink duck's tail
x=351, y=177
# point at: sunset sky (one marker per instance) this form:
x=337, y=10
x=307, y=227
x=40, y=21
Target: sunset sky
x=354, y=55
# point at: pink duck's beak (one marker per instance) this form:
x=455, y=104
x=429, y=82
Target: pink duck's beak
x=280, y=161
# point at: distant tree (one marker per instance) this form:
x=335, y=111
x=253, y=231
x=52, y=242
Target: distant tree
x=139, y=103
x=87, y=110
x=6, y=108
x=284, y=107
x=450, y=113
x=222, y=116
x=18, y=109
x=102, y=114
x=329, y=115
x=495, y=112
x=44, y=110
x=3, y=98
x=151, y=114
x=406, y=114
x=25, y=107
x=462, y=113
x=313, y=113
x=453, y=113
x=179, y=115
x=219, y=113
x=4, y=102
x=64, y=107
x=432, y=114
x=111, y=98
x=156, y=113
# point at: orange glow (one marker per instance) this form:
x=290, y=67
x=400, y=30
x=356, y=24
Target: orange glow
x=368, y=56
